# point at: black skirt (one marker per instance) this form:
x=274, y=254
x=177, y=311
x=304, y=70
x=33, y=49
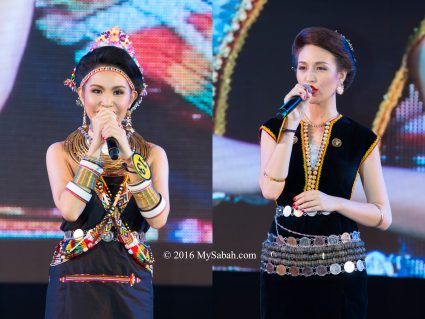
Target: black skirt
x=342, y=296
x=104, y=282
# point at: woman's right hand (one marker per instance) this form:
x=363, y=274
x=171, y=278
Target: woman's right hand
x=294, y=118
x=102, y=117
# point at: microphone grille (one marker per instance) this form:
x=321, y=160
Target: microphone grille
x=308, y=88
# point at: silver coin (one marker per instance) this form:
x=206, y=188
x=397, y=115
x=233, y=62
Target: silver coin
x=280, y=240
x=307, y=271
x=360, y=265
x=108, y=236
x=349, y=267
x=335, y=269
x=305, y=242
x=269, y=268
x=281, y=270
x=291, y=241
x=319, y=241
x=294, y=271
x=333, y=240
x=345, y=238
x=287, y=211
x=321, y=270
x=298, y=213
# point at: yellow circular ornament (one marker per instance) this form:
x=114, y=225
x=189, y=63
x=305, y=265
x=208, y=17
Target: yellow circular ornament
x=141, y=166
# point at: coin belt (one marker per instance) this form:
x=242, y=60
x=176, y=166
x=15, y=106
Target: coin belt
x=291, y=211
x=320, y=256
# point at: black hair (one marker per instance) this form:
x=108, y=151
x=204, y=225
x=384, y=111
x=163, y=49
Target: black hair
x=111, y=56
x=331, y=41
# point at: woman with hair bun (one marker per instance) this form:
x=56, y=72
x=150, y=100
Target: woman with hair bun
x=108, y=198
x=313, y=261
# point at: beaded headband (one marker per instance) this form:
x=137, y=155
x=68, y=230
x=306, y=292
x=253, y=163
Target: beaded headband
x=107, y=68
x=117, y=38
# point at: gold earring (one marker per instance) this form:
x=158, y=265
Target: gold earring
x=340, y=88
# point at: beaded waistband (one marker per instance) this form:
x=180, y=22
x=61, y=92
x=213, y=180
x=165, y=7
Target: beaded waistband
x=287, y=211
x=107, y=236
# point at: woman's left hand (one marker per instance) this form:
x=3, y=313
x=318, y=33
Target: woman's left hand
x=314, y=200
x=115, y=130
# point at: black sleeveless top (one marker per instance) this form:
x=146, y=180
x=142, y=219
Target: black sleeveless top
x=94, y=211
x=337, y=173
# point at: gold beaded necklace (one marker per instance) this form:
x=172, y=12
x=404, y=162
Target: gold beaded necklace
x=313, y=172
x=78, y=142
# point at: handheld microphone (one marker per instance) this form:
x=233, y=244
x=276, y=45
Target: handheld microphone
x=113, y=149
x=289, y=106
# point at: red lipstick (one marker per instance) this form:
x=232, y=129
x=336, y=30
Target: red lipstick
x=313, y=89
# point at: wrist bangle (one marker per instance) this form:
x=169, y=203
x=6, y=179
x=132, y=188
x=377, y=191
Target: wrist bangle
x=79, y=192
x=94, y=160
x=154, y=212
x=287, y=130
x=274, y=179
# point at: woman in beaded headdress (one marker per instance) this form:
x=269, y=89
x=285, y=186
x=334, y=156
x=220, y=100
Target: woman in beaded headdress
x=102, y=268
x=313, y=260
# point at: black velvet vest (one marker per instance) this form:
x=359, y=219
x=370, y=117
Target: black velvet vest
x=337, y=173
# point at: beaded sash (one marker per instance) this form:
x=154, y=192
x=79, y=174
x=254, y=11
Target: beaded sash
x=70, y=248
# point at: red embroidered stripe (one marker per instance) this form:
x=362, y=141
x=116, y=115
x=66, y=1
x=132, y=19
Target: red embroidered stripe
x=131, y=280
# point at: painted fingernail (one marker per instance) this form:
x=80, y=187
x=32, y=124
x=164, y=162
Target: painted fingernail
x=294, y=198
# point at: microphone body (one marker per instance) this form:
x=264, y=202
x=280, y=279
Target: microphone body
x=113, y=149
x=289, y=106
